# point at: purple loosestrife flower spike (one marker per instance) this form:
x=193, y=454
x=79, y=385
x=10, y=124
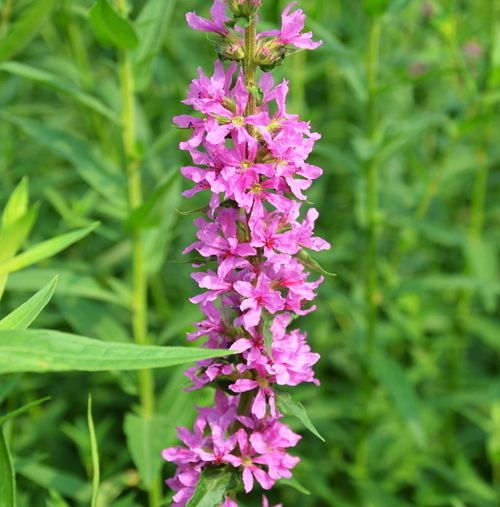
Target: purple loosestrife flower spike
x=250, y=155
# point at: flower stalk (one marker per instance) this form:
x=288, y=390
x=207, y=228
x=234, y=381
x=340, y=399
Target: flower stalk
x=250, y=154
x=139, y=303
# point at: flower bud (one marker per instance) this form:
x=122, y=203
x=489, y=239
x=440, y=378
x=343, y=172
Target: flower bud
x=244, y=8
x=230, y=47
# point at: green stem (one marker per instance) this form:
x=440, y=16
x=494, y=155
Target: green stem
x=5, y=16
x=139, y=274
x=249, y=67
x=372, y=183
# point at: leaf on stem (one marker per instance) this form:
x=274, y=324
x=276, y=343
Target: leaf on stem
x=288, y=406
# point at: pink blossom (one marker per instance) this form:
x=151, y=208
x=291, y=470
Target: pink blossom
x=250, y=239
x=292, y=26
x=216, y=25
x=258, y=297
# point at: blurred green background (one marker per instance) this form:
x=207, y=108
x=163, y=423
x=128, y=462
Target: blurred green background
x=406, y=96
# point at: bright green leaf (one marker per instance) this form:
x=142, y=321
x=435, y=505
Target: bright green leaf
x=17, y=205
x=44, y=351
x=25, y=314
x=7, y=476
x=44, y=250
x=94, y=454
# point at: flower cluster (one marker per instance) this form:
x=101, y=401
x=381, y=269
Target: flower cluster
x=250, y=154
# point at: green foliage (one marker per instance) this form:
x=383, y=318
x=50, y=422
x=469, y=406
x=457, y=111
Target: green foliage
x=47, y=351
x=289, y=406
x=110, y=28
x=7, y=477
x=212, y=487
x=405, y=95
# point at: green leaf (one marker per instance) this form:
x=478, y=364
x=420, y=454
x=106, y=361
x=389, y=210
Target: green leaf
x=69, y=283
x=94, y=454
x=45, y=351
x=375, y=7
x=394, y=379
x=25, y=314
x=305, y=259
x=266, y=331
x=152, y=25
x=44, y=250
x=7, y=476
x=295, y=484
x=12, y=237
x=110, y=28
x=482, y=257
x=143, y=217
x=145, y=440
x=288, y=406
x=212, y=487
x=28, y=25
x=61, y=481
x=17, y=205
x=64, y=86
x=22, y=410
x=92, y=167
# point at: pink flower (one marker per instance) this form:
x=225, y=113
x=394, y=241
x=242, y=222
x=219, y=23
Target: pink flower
x=257, y=298
x=292, y=26
x=264, y=392
x=250, y=238
x=216, y=25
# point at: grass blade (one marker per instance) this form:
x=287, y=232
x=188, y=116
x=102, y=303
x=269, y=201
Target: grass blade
x=7, y=476
x=96, y=471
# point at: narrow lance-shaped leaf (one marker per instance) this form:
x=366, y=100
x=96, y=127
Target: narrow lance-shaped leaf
x=96, y=471
x=22, y=410
x=288, y=406
x=25, y=314
x=7, y=477
x=46, y=78
x=44, y=250
x=26, y=27
x=46, y=351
